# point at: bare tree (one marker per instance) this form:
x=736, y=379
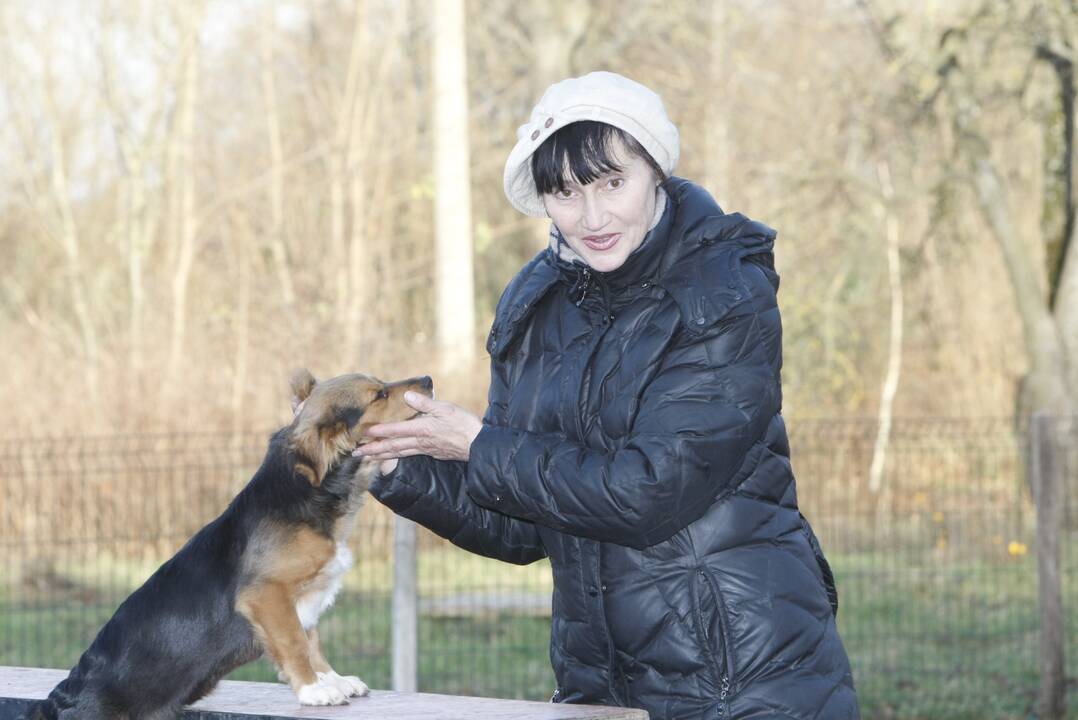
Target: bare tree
x=182, y=163
x=48, y=190
x=278, y=246
x=454, y=283
x=894, y=353
x=962, y=97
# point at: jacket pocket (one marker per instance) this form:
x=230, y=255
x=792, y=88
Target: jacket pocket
x=825, y=567
x=713, y=627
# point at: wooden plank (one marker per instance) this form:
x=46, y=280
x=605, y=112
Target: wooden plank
x=234, y=700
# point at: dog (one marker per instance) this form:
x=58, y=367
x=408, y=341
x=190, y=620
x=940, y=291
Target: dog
x=254, y=580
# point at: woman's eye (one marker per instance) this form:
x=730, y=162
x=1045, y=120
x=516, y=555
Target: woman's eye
x=616, y=183
x=565, y=194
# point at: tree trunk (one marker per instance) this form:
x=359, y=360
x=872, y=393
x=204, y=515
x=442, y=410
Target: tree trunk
x=344, y=194
x=1047, y=385
x=278, y=248
x=894, y=354
x=553, y=56
x=243, y=241
x=70, y=241
x=717, y=162
x=1066, y=310
x=454, y=283
x=186, y=221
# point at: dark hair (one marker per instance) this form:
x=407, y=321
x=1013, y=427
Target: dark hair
x=586, y=149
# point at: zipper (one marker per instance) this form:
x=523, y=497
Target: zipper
x=583, y=374
x=584, y=287
x=729, y=678
x=724, y=706
x=721, y=675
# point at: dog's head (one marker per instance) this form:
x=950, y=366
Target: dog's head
x=336, y=414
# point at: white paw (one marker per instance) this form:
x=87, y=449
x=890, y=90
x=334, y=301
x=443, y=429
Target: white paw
x=320, y=694
x=350, y=685
x=282, y=676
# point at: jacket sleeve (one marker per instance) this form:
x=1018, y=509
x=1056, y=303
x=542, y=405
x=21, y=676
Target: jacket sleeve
x=708, y=405
x=433, y=493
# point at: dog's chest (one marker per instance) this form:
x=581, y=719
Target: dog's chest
x=318, y=595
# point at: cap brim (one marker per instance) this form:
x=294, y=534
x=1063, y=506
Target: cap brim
x=518, y=182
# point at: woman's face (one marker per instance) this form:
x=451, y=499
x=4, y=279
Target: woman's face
x=605, y=220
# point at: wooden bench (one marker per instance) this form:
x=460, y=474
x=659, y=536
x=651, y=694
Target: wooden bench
x=265, y=701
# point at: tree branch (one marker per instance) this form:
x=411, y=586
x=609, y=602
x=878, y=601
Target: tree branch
x=1064, y=69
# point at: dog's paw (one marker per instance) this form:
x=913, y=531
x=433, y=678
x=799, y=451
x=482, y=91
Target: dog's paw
x=359, y=688
x=350, y=685
x=320, y=694
x=282, y=676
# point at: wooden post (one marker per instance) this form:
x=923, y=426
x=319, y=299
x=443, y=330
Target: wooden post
x=405, y=602
x=1046, y=470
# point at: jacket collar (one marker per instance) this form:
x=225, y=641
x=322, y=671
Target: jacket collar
x=700, y=235
x=702, y=269
x=607, y=288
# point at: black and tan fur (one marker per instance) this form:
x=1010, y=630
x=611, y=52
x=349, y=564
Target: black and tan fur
x=254, y=580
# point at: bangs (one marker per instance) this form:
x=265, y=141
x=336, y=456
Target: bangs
x=583, y=151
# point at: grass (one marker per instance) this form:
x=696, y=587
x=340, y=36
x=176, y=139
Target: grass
x=954, y=643
x=493, y=656
x=939, y=638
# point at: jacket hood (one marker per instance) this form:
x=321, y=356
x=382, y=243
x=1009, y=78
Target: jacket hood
x=702, y=241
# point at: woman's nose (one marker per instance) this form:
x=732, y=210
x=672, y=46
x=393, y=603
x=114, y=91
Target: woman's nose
x=594, y=216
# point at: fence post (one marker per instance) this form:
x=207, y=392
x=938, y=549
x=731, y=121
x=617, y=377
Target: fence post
x=405, y=616
x=1046, y=469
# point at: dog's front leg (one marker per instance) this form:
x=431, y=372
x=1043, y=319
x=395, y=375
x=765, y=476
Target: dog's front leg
x=271, y=610
x=348, y=684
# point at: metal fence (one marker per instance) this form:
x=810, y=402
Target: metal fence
x=937, y=569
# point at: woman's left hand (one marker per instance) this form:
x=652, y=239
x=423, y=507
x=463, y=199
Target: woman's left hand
x=444, y=431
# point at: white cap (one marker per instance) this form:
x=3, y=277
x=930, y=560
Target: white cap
x=604, y=97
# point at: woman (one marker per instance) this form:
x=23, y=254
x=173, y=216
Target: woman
x=633, y=433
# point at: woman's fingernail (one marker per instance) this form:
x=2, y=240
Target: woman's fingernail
x=358, y=452
x=410, y=396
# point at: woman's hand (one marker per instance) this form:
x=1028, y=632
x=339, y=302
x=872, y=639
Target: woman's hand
x=444, y=431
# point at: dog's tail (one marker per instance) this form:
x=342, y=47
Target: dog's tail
x=64, y=696
x=41, y=710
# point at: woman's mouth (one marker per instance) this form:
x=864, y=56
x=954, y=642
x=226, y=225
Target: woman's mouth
x=601, y=242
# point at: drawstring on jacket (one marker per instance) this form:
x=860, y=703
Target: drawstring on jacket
x=583, y=278
x=583, y=281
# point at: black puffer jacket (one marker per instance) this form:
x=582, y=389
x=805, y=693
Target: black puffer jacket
x=633, y=437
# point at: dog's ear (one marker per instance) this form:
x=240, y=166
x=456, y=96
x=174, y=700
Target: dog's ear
x=314, y=445
x=302, y=383
x=308, y=470
x=310, y=457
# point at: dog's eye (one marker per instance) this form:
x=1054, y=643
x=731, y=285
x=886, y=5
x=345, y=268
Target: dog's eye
x=383, y=394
